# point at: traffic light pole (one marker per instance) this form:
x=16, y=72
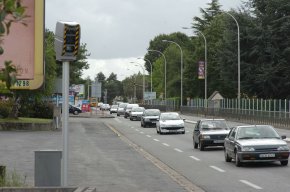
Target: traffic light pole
x=65, y=113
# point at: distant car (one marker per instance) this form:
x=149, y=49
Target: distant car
x=113, y=109
x=210, y=132
x=121, y=109
x=74, y=110
x=136, y=113
x=170, y=122
x=128, y=108
x=149, y=117
x=105, y=107
x=255, y=143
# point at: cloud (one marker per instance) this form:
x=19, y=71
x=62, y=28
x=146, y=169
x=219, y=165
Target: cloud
x=120, y=66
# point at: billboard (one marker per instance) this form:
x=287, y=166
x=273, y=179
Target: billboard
x=149, y=95
x=24, y=46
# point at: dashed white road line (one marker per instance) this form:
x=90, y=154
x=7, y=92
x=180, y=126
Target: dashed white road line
x=156, y=140
x=167, y=145
x=217, y=169
x=148, y=136
x=178, y=150
x=132, y=127
x=251, y=184
x=195, y=158
x=137, y=129
x=142, y=132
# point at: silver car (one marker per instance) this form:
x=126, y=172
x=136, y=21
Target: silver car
x=255, y=143
x=121, y=109
x=170, y=122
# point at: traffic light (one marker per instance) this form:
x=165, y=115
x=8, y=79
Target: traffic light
x=67, y=40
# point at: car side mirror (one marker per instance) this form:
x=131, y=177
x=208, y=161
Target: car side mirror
x=283, y=137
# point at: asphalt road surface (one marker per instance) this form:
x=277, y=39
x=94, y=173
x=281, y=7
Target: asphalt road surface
x=116, y=154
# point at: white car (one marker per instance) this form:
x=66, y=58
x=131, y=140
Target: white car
x=113, y=109
x=170, y=122
x=105, y=107
x=136, y=113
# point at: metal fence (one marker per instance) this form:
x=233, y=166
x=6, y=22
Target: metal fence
x=252, y=111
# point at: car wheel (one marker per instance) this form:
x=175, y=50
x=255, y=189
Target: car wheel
x=183, y=132
x=227, y=158
x=161, y=133
x=237, y=160
x=131, y=119
x=76, y=112
x=141, y=124
x=201, y=146
x=195, y=144
x=284, y=163
x=118, y=114
x=157, y=130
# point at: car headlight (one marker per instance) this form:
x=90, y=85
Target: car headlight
x=248, y=149
x=283, y=148
x=205, y=136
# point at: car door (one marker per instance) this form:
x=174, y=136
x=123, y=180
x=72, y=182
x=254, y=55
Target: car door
x=230, y=142
x=196, y=132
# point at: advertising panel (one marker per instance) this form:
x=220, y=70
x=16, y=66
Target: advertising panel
x=201, y=73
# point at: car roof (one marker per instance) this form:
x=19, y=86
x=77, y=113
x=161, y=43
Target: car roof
x=165, y=113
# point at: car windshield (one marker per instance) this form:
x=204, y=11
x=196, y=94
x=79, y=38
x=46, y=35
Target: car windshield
x=169, y=116
x=122, y=105
x=114, y=106
x=257, y=132
x=152, y=113
x=138, y=109
x=214, y=125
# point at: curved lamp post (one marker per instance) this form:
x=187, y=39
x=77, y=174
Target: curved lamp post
x=150, y=70
x=239, y=56
x=181, y=69
x=205, y=65
x=152, y=50
x=138, y=64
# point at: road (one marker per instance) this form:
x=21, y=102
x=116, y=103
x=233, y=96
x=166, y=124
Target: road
x=207, y=169
x=116, y=154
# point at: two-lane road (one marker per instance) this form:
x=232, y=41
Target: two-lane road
x=207, y=169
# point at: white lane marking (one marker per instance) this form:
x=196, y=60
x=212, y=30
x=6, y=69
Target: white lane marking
x=137, y=129
x=251, y=184
x=178, y=150
x=187, y=131
x=217, y=168
x=132, y=127
x=156, y=140
x=195, y=158
x=142, y=132
x=148, y=136
x=165, y=144
x=118, y=120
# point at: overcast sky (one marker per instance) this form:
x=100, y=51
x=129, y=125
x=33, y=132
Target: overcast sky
x=119, y=31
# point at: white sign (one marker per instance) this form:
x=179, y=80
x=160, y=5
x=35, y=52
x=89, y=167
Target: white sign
x=149, y=95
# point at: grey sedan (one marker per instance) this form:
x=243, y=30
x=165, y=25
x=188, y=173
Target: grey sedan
x=255, y=143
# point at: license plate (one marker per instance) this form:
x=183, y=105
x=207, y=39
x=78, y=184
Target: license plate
x=267, y=155
x=172, y=131
x=218, y=141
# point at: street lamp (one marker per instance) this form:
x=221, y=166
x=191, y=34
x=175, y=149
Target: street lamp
x=152, y=50
x=239, y=57
x=205, y=65
x=150, y=70
x=138, y=64
x=181, y=69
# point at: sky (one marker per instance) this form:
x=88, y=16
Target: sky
x=118, y=32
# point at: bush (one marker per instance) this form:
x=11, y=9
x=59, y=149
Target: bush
x=36, y=110
x=5, y=108
x=13, y=179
